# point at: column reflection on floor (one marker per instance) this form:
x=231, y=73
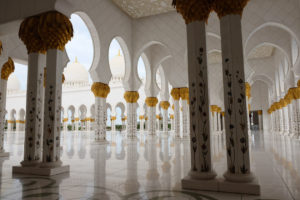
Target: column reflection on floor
x=147, y=167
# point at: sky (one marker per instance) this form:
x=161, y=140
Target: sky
x=81, y=46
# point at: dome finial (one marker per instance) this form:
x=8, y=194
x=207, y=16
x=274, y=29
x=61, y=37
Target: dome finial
x=76, y=60
x=119, y=53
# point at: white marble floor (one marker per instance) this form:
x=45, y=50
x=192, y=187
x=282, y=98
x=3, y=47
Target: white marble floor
x=148, y=168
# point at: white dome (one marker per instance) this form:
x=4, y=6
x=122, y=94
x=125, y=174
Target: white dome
x=76, y=72
x=117, y=66
x=13, y=83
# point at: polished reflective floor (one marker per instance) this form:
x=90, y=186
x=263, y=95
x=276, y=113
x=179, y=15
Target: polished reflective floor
x=148, y=168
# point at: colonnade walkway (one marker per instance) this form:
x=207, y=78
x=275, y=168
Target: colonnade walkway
x=147, y=168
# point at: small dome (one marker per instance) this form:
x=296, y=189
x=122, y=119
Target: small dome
x=13, y=83
x=117, y=66
x=76, y=72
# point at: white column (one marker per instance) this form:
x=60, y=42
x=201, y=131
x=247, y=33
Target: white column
x=34, y=109
x=113, y=125
x=131, y=120
x=297, y=117
x=151, y=120
x=291, y=118
x=285, y=120
x=185, y=113
x=172, y=122
x=6, y=70
x=238, y=158
x=201, y=165
x=219, y=122
x=10, y=125
x=100, y=119
x=260, y=121
x=177, y=118
x=165, y=121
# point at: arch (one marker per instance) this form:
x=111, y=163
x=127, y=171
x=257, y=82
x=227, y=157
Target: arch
x=263, y=78
x=125, y=51
x=95, y=38
x=276, y=46
x=22, y=114
x=12, y=114
x=122, y=107
x=82, y=112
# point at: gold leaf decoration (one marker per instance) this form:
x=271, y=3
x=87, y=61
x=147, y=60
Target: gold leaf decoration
x=175, y=93
x=100, y=89
x=151, y=101
x=165, y=105
x=7, y=69
x=131, y=96
x=55, y=29
x=229, y=7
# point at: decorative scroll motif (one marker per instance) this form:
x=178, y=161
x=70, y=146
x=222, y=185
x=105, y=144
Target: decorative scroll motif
x=7, y=69
x=131, y=96
x=151, y=101
x=100, y=89
x=175, y=93
x=55, y=29
x=229, y=7
x=165, y=105
x=193, y=10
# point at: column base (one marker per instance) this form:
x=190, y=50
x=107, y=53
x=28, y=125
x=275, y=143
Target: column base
x=41, y=171
x=4, y=154
x=221, y=185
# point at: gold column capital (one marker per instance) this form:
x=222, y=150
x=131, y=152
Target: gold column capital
x=229, y=7
x=175, y=93
x=259, y=112
x=100, y=89
x=65, y=119
x=131, y=96
x=171, y=116
x=248, y=90
x=165, y=105
x=30, y=36
x=7, y=69
x=113, y=118
x=151, y=101
x=184, y=93
x=55, y=30
x=193, y=10
x=141, y=117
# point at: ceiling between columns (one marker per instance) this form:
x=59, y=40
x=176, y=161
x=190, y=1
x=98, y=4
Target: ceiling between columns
x=263, y=51
x=143, y=8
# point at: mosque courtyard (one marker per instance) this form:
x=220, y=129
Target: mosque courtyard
x=150, y=167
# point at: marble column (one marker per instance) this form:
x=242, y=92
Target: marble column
x=76, y=123
x=123, y=123
x=113, y=123
x=165, y=106
x=296, y=107
x=131, y=98
x=223, y=122
x=219, y=121
x=237, y=139
x=151, y=107
x=10, y=125
x=172, y=122
x=65, y=124
x=100, y=90
x=201, y=164
x=141, y=117
x=285, y=115
x=184, y=94
x=248, y=95
x=175, y=93
x=260, y=121
x=34, y=109
x=6, y=70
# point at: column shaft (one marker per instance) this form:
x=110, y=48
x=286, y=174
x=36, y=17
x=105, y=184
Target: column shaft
x=151, y=120
x=100, y=119
x=34, y=109
x=238, y=159
x=201, y=165
x=52, y=109
x=131, y=120
x=3, y=88
x=184, y=118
